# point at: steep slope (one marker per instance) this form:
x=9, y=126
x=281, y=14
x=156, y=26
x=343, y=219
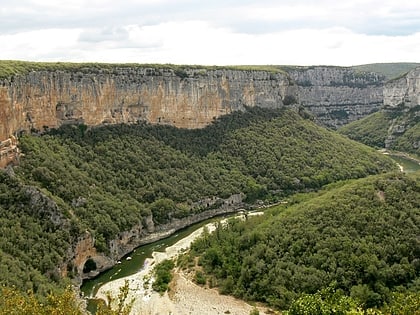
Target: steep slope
x=37, y=96
x=397, y=125
x=389, y=70
x=124, y=185
x=362, y=236
x=35, y=237
x=337, y=95
x=395, y=129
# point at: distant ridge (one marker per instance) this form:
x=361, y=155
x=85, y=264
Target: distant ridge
x=389, y=70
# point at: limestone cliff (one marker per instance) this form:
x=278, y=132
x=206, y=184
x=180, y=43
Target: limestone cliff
x=190, y=99
x=403, y=91
x=402, y=103
x=397, y=125
x=336, y=95
x=187, y=97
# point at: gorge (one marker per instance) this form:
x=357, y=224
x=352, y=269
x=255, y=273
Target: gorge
x=109, y=157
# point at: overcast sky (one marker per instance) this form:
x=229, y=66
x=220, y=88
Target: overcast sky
x=216, y=32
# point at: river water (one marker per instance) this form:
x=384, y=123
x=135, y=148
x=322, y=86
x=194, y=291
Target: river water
x=134, y=263
x=138, y=256
x=408, y=165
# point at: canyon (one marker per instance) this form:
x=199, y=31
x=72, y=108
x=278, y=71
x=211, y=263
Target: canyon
x=187, y=97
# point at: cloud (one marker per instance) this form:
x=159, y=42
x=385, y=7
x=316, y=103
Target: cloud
x=97, y=35
x=212, y=32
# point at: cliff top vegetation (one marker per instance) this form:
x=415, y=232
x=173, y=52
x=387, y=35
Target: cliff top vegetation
x=389, y=70
x=10, y=68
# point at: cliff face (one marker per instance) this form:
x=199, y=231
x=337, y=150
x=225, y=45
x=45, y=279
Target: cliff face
x=404, y=91
x=402, y=103
x=337, y=96
x=187, y=98
x=191, y=99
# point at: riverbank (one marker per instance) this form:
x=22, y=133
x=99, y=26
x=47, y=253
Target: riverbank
x=185, y=297
x=404, y=155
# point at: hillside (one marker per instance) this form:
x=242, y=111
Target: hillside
x=389, y=70
x=360, y=236
x=119, y=183
x=396, y=125
x=393, y=129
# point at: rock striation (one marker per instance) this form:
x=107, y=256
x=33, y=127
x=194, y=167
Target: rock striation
x=337, y=96
x=402, y=103
x=186, y=97
x=403, y=91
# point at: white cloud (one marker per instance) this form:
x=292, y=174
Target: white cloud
x=217, y=32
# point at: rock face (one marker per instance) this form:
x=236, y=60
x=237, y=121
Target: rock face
x=190, y=99
x=337, y=96
x=404, y=91
x=402, y=103
x=141, y=234
x=187, y=98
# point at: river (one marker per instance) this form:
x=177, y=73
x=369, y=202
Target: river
x=138, y=256
x=134, y=263
x=408, y=165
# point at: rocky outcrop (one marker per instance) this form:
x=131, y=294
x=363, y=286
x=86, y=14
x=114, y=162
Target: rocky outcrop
x=141, y=234
x=403, y=91
x=402, y=104
x=9, y=151
x=396, y=125
x=337, y=96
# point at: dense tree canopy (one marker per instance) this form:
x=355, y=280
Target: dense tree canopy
x=108, y=179
x=361, y=235
x=376, y=128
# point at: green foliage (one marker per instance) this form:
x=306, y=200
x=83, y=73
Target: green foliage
x=34, y=237
x=371, y=130
x=14, y=302
x=404, y=304
x=389, y=70
x=374, y=129
x=254, y=311
x=163, y=275
x=65, y=302
x=109, y=179
x=327, y=301
x=362, y=235
x=11, y=68
x=199, y=277
x=113, y=177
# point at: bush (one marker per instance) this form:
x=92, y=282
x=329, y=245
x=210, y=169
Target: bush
x=163, y=275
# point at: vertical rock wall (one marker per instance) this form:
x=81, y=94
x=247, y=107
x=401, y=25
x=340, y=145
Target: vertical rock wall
x=337, y=96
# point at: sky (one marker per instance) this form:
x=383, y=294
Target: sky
x=216, y=32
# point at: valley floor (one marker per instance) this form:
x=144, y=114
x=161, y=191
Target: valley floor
x=184, y=297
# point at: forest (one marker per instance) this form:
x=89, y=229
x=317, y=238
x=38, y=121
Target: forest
x=374, y=129
x=110, y=178
x=357, y=237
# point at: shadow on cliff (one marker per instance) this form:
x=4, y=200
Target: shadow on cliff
x=199, y=142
